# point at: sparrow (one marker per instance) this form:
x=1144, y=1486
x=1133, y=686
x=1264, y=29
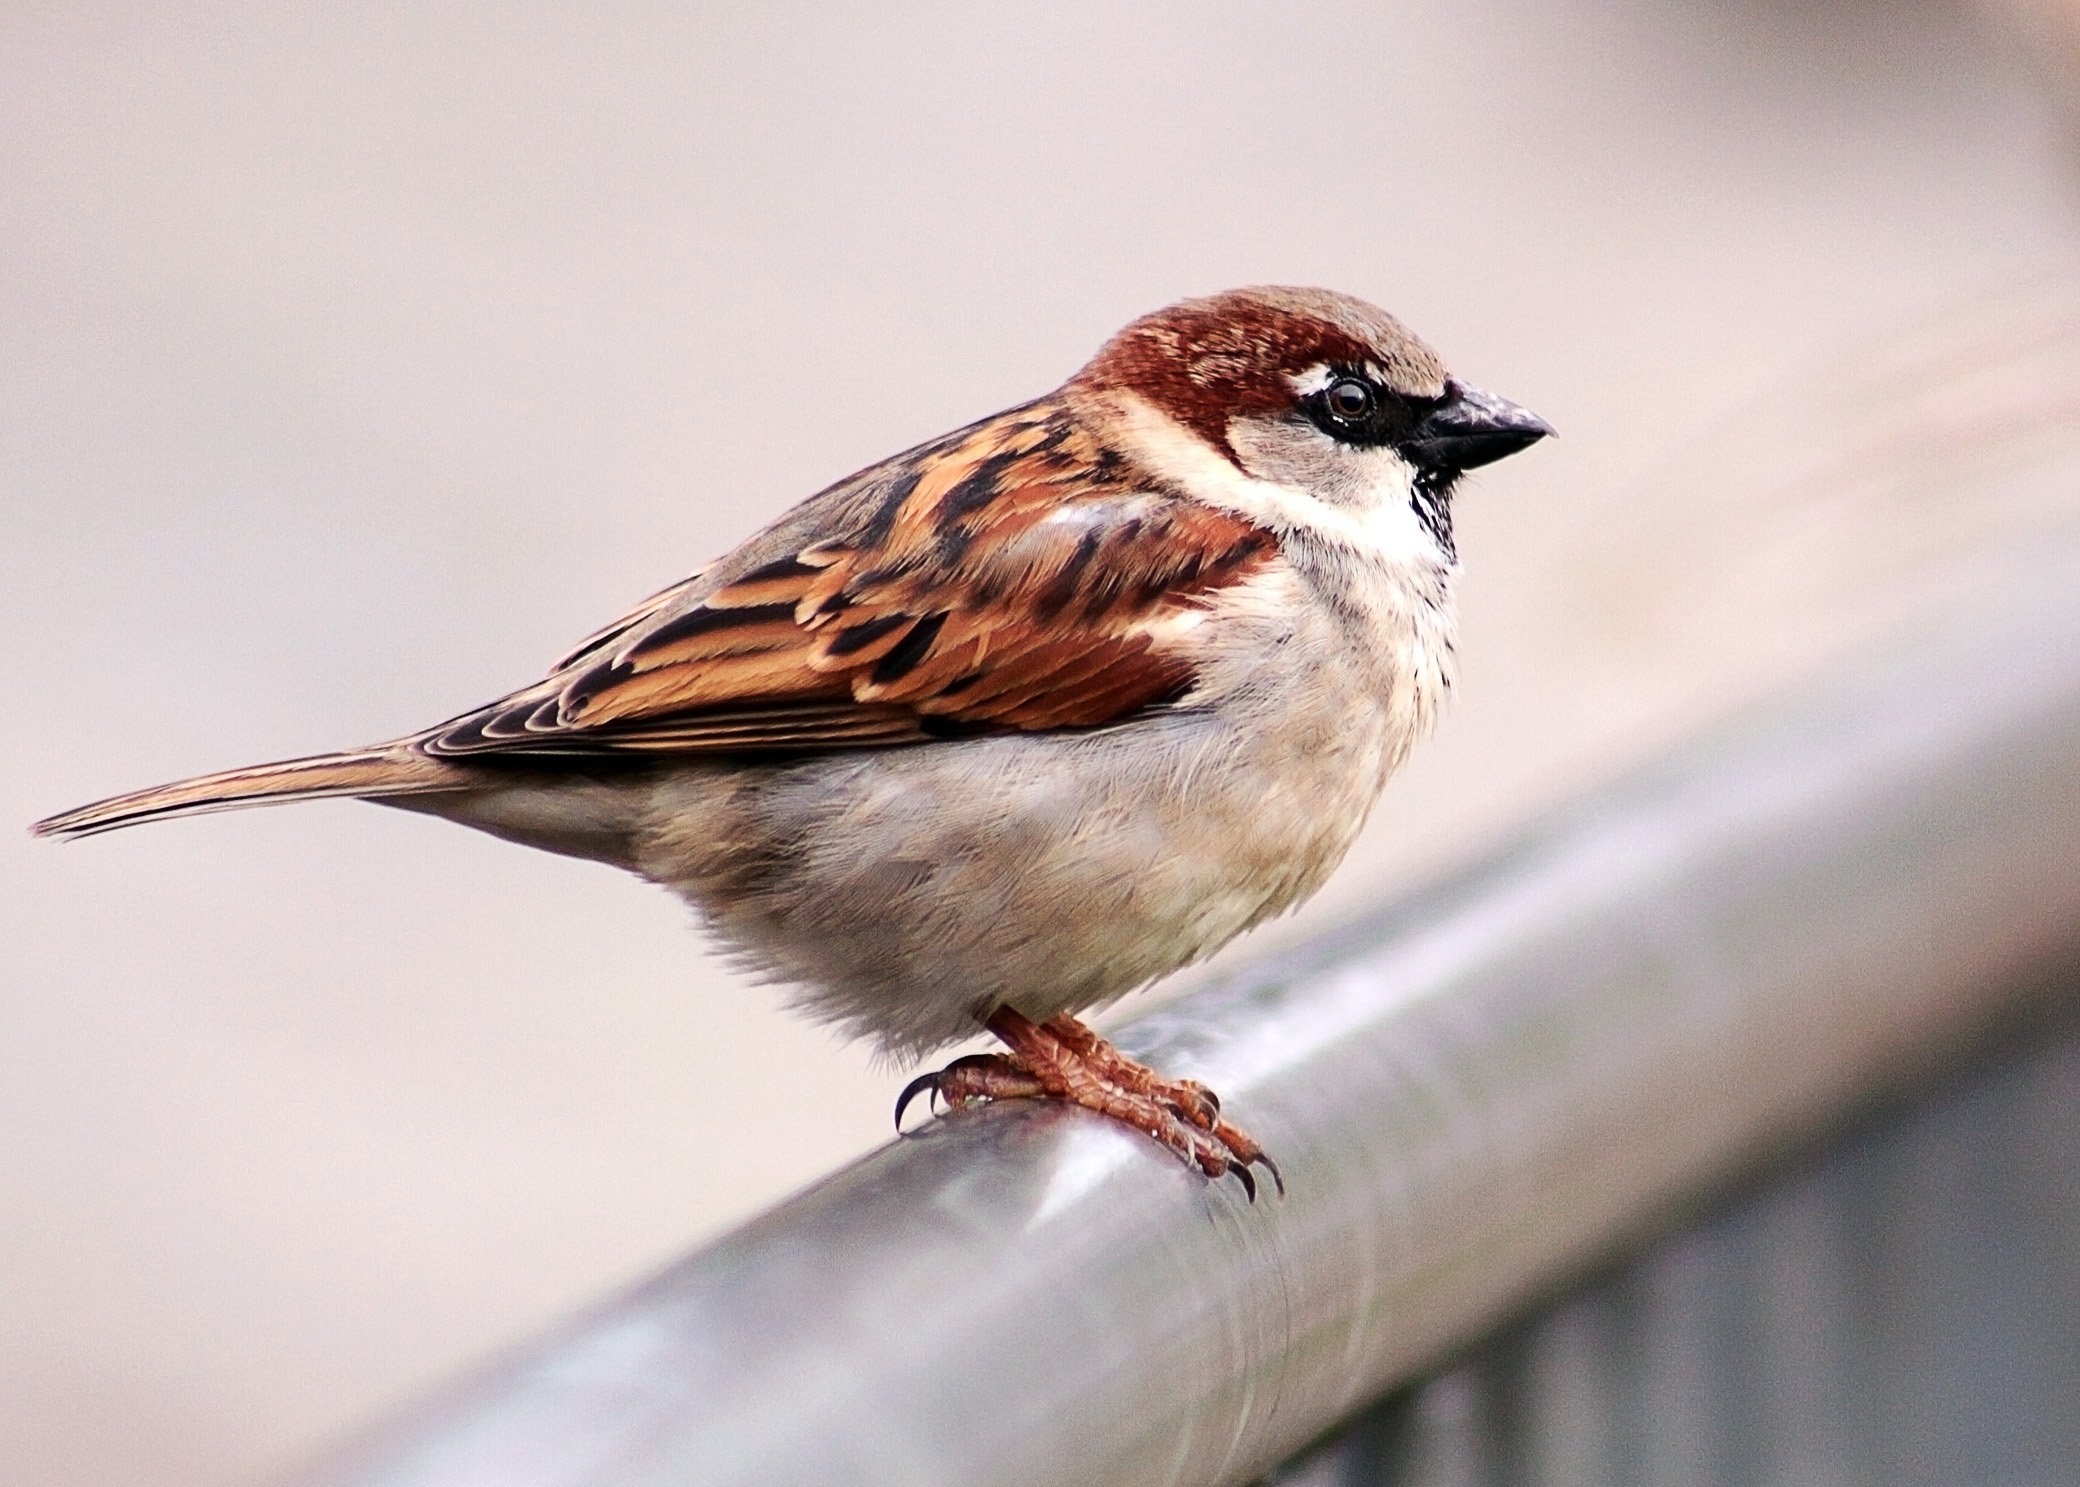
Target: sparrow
x=1020, y=720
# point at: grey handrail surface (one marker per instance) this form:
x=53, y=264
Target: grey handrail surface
x=1472, y=1095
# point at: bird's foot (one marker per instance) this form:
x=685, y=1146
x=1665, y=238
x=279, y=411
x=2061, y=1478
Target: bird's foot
x=1062, y=1059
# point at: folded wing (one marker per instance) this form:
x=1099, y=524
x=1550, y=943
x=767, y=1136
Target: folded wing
x=1014, y=576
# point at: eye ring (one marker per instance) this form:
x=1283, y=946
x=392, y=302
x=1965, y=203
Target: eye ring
x=1350, y=399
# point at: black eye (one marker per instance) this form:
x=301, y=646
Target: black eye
x=1348, y=398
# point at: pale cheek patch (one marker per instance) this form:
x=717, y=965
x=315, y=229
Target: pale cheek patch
x=1363, y=497
x=1356, y=497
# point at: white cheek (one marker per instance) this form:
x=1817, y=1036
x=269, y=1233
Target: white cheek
x=1364, y=498
x=1358, y=497
x=1370, y=497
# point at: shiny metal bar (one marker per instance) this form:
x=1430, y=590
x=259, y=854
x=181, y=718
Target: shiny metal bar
x=1473, y=1094
x=1899, y=1306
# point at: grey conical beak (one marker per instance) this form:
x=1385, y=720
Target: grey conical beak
x=1471, y=428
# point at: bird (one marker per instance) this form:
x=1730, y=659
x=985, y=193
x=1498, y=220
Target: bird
x=1022, y=719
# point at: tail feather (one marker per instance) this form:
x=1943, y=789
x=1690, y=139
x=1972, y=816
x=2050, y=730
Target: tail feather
x=385, y=770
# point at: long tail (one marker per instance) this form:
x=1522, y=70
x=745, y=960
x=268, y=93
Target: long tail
x=387, y=769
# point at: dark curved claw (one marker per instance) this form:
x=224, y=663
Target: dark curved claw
x=911, y=1091
x=1240, y=1171
x=1272, y=1167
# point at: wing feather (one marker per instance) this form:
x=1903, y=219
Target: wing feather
x=1015, y=575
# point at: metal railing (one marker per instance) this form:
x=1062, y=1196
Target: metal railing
x=1473, y=1096
x=1899, y=1305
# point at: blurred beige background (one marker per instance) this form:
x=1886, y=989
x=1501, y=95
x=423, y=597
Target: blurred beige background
x=357, y=359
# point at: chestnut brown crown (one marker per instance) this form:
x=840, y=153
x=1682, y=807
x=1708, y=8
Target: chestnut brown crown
x=1205, y=361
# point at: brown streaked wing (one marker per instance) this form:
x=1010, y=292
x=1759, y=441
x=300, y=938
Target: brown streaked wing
x=1001, y=583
